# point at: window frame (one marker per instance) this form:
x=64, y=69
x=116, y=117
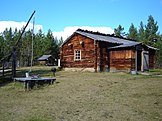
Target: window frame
x=77, y=55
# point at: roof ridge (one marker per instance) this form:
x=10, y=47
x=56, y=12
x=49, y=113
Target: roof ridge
x=99, y=33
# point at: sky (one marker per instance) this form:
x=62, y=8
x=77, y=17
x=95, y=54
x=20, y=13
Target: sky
x=63, y=17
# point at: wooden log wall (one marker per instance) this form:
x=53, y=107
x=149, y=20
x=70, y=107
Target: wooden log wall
x=123, y=59
x=103, y=56
x=87, y=52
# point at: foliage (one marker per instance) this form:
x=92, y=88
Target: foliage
x=42, y=44
x=132, y=32
x=151, y=30
x=159, y=52
x=141, y=33
x=119, y=31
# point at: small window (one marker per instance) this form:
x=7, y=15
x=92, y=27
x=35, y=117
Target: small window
x=77, y=55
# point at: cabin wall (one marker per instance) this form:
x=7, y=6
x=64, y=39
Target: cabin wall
x=87, y=48
x=123, y=59
x=50, y=61
x=42, y=62
x=104, y=56
x=96, y=56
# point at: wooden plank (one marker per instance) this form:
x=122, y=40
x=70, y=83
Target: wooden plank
x=122, y=59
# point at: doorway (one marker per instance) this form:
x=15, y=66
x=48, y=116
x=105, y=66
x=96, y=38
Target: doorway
x=139, y=60
x=145, y=62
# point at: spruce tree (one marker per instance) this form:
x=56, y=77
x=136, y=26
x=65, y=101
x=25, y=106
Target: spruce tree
x=132, y=34
x=119, y=31
x=151, y=30
x=141, y=33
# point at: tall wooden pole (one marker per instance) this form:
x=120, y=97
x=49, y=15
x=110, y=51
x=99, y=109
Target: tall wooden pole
x=32, y=46
x=13, y=62
x=14, y=48
x=3, y=67
x=95, y=49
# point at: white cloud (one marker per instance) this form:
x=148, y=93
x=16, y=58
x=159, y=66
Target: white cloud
x=70, y=29
x=18, y=25
x=65, y=33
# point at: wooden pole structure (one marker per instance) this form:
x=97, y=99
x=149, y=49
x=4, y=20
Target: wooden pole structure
x=25, y=28
x=32, y=46
x=13, y=62
x=95, y=49
x=14, y=48
x=3, y=67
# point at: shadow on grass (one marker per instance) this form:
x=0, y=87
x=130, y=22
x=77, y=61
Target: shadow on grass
x=5, y=80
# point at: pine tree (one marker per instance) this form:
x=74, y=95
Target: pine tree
x=48, y=42
x=60, y=42
x=132, y=32
x=119, y=31
x=2, y=47
x=39, y=47
x=159, y=52
x=8, y=44
x=141, y=33
x=25, y=55
x=151, y=30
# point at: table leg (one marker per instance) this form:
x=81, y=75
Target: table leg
x=28, y=85
x=25, y=85
x=36, y=84
x=51, y=81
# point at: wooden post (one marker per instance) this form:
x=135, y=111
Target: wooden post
x=95, y=51
x=3, y=67
x=136, y=61
x=13, y=62
x=142, y=60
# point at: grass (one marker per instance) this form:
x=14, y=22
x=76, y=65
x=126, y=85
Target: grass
x=155, y=72
x=84, y=96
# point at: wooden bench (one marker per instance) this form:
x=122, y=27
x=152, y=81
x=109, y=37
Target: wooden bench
x=28, y=81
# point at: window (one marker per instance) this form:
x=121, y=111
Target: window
x=77, y=55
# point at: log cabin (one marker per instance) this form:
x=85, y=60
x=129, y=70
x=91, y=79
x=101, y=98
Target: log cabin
x=46, y=60
x=93, y=51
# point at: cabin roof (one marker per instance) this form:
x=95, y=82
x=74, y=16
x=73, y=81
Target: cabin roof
x=44, y=57
x=133, y=45
x=153, y=48
x=106, y=37
x=102, y=37
x=96, y=36
x=125, y=45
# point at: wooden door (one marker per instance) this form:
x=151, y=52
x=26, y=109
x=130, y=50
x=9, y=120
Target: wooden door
x=145, y=60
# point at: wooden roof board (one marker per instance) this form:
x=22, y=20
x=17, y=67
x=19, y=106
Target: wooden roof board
x=101, y=37
x=107, y=38
x=44, y=57
x=125, y=45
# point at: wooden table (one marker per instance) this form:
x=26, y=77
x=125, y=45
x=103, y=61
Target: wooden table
x=31, y=80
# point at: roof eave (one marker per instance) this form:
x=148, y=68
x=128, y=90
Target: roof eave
x=124, y=46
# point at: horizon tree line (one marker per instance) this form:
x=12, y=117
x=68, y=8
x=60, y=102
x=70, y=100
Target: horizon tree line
x=43, y=44
x=47, y=44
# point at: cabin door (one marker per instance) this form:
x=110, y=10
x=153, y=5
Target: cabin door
x=145, y=59
x=139, y=60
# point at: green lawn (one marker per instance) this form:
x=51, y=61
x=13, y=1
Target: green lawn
x=83, y=96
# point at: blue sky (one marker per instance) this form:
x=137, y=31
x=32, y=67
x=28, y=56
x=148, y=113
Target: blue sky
x=59, y=14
